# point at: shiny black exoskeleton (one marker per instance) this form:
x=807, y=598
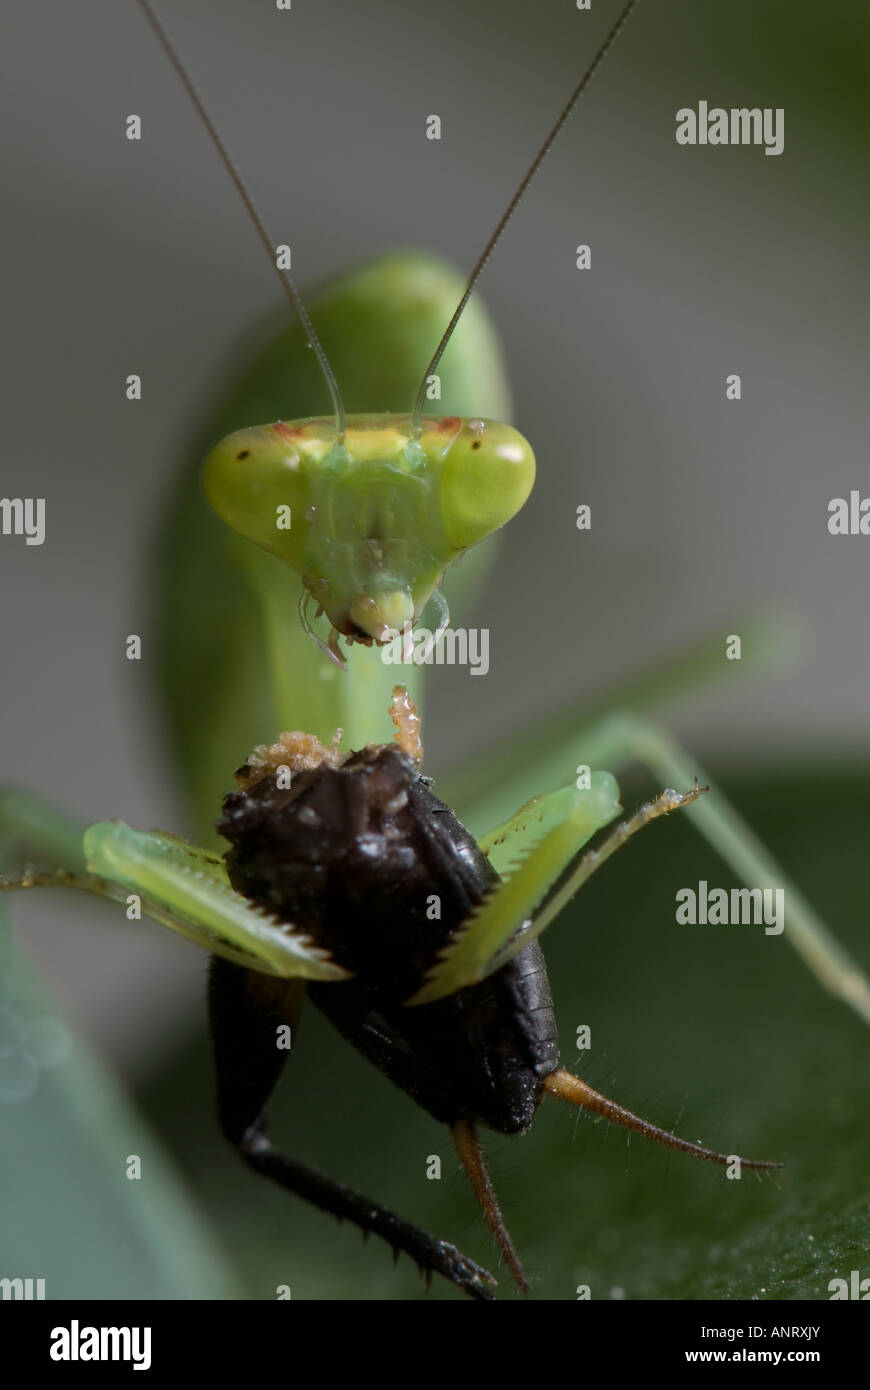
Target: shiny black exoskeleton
x=368, y=862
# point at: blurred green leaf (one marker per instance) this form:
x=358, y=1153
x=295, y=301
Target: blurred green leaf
x=69, y=1213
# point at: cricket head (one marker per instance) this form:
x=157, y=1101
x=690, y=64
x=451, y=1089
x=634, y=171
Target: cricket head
x=372, y=523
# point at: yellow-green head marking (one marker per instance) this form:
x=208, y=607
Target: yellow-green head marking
x=370, y=523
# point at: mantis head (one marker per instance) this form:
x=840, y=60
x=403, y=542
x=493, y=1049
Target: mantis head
x=371, y=509
x=370, y=523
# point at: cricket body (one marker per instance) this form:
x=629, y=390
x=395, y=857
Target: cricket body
x=358, y=854
x=361, y=856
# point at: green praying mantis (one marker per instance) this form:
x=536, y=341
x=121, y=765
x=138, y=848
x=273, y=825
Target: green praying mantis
x=377, y=507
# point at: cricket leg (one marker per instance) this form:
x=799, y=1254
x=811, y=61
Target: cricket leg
x=246, y=1011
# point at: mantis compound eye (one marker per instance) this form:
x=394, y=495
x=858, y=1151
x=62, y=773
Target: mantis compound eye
x=487, y=474
x=371, y=523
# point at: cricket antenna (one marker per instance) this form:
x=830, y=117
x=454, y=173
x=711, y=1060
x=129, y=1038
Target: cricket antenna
x=512, y=206
x=284, y=276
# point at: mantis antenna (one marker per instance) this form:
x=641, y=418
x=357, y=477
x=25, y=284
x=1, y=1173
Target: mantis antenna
x=512, y=206
x=283, y=275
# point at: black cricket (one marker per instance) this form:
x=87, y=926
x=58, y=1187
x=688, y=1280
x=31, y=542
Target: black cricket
x=354, y=852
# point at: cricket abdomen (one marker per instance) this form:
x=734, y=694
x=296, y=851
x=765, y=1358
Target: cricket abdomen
x=482, y=1053
x=365, y=858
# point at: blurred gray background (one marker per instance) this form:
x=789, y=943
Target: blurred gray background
x=123, y=257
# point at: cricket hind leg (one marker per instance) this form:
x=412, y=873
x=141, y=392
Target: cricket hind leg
x=245, y=1011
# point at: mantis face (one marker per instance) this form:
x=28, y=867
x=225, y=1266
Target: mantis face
x=370, y=523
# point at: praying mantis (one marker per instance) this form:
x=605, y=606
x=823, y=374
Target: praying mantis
x=306, y=698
